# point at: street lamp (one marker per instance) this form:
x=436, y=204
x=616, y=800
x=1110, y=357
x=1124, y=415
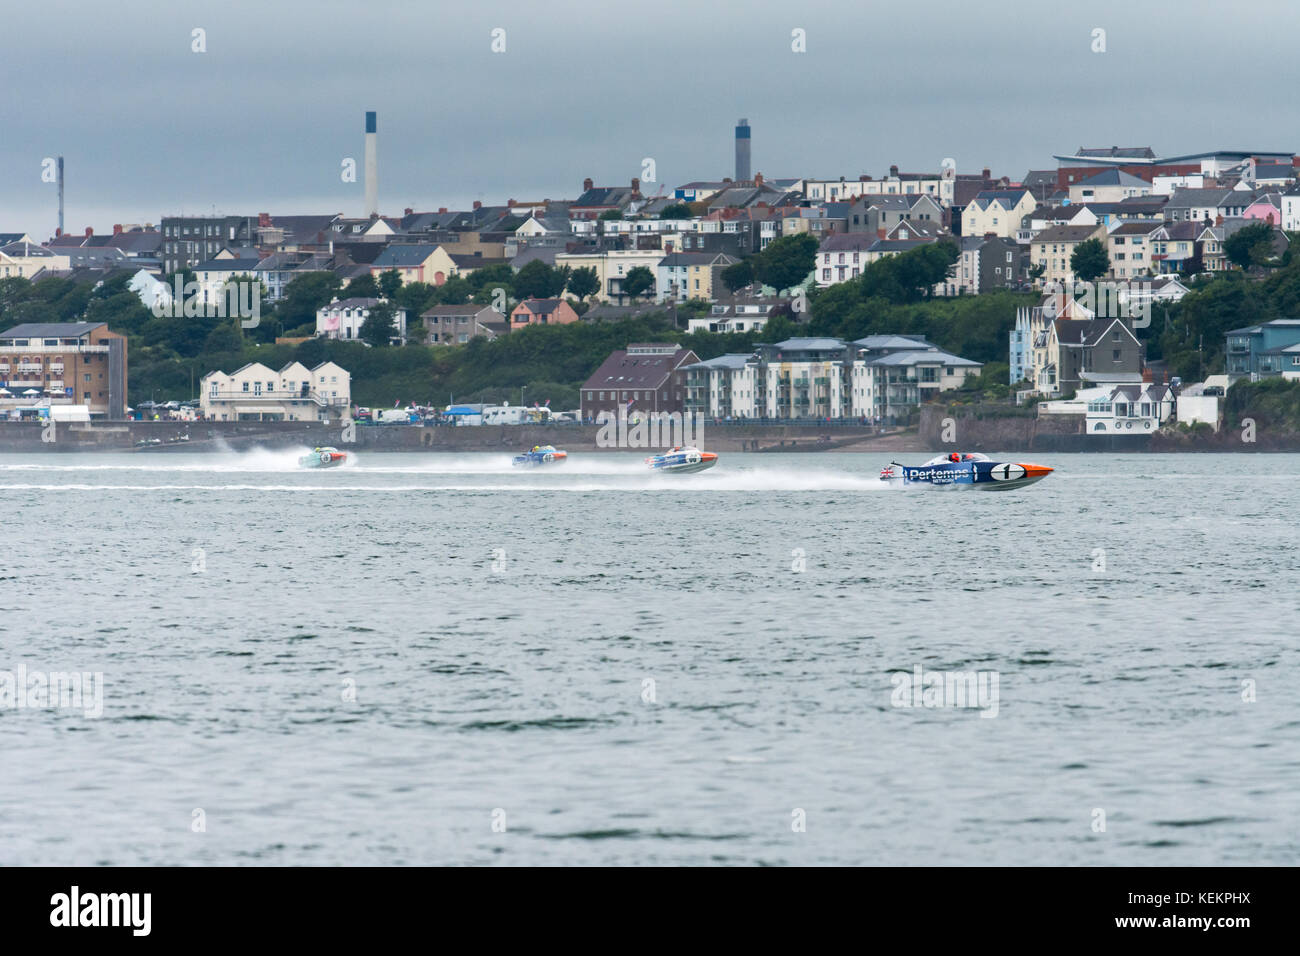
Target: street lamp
x=522, y=389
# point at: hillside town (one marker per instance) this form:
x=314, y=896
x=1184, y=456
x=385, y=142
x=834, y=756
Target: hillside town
x=1087, y=246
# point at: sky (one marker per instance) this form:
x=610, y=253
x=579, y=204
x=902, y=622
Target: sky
x=263, y=120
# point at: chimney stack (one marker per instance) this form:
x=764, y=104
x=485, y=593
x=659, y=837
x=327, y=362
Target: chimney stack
x=987, y=172
x=742, y=150
x=407, y=211
x=758, y=179
x=117, y=229
x=510, y=204
x=442, y=209
x=893, y=172
x=477, y=204
x=636, y=188
x=264, y=219
x=90, y=231
x=372, y=164
x=587, y=184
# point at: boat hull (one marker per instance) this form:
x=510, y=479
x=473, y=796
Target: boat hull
x=537, y=459
x=985, y=475
x=323, y=459
x=682, y=463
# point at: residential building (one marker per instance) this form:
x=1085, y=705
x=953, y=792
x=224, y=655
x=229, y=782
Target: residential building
x=611, y=268
x=842, y=257
x=190, y=240
x=1263, y=350
x=998, y=212
x=25, y=259
x=256, y=393
x=1053, y=247
x=68, y=363
x=644, y=377
x=690, y=275
x=1074, y=348
x=740, y=314
x=542, y=312
x=1110, y=185
x=1130, y=248
x=876, y=215
x=457, y=324
x=985, y=263
x=343, y=318
x=1130, y=409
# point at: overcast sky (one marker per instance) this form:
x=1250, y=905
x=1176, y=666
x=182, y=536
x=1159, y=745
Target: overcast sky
x=262, y=121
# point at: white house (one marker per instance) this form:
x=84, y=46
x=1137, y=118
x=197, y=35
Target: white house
x=257, y=393
x=1130, y=410
x=343, y=318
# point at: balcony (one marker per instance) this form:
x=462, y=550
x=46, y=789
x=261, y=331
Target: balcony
x=285, y=395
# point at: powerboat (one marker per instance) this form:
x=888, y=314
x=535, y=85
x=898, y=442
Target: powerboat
x=682, y=460
x=540, y=455
x=326, y=457
x=970, y=468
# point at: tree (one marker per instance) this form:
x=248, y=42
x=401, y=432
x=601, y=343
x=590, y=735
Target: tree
x=380, y=326
x=638, y=281
x=584, y=282
x=390, y=280
x=610, y=215
x=304, y=296
x=455, y=291
x=738, y=275
x=1250, y=246
x=537, y=280
x=362, y=287
x=786, y=262
x=678, y=210
x=1089, y=261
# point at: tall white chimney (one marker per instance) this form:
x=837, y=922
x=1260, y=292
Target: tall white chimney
x=372, y=166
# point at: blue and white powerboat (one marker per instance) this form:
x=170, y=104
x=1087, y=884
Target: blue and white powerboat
x=540, y=455
x=682, y=460
x=971, y=468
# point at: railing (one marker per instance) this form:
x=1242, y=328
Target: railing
x=284, y=395
x=9, y=349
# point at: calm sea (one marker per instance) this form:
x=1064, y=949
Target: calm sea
x=434, y=659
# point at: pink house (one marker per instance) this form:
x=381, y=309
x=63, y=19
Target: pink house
x=1264, y=208
x=542, y=312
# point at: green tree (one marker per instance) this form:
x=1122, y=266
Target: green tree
x=455, y=291
x=380, y=326
x=638, y=281
x=1089, y=261
x=362, y=287
x=678, y=210
x=786, y=262
x=738, y=275
x=584, y=282
x=390, y=280
x=610, y=215
x=537, y=280
x=1250, y=246
x=304, y=296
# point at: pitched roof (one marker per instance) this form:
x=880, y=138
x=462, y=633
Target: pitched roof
x=1066, y=234
x=627, y=369
x=66, y=330
x=404, y=254
x=1113, y=177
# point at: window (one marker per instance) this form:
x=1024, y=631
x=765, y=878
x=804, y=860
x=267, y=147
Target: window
x=1114, y=355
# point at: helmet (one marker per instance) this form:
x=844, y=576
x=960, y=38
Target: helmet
x=954, y=457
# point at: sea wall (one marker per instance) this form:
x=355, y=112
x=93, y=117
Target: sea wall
x=226, y=436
